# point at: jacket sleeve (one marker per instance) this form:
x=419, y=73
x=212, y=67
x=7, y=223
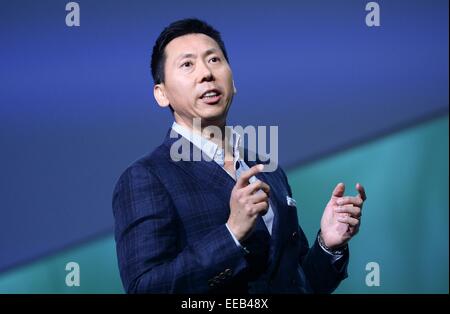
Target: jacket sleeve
x=151, y=256
x=323, y=275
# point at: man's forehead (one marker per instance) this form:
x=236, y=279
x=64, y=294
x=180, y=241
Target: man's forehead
x=191, y=44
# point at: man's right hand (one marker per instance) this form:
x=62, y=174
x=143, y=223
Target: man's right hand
x=247, y=201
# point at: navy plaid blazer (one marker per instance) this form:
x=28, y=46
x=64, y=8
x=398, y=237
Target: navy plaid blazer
x=171, y=236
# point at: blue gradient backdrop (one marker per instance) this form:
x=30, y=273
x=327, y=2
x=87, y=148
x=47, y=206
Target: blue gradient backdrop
x=76, y=104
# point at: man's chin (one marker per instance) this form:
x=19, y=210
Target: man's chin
x=212, y=120
x=215, y=112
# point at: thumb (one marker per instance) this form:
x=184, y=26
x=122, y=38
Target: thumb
x=339, y=190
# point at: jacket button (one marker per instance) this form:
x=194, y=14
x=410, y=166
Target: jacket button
x=294, y=235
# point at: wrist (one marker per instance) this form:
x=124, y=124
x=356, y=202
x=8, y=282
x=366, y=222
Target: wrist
x=238, y=236
x=337, y=250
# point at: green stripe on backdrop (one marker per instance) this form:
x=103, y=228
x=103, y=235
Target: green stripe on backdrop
x=404, y=228
x=405, y=219
x=97, y=264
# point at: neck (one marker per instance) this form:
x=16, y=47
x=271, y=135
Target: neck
x=213, y=131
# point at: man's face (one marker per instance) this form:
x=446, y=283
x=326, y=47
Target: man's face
x=198, y=80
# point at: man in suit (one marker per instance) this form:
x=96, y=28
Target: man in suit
x=219, y=224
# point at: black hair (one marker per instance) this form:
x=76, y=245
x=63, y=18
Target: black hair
x=174, y=30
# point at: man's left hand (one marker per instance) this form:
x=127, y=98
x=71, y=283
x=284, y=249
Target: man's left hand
x=342, y=216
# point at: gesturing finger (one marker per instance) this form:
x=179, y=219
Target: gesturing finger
x=260, y=208
x=349, y=209
x=361, y=191
x=338, y=190
x=350, y=200
x=258, y=197
x=352, y=222
x=256, y=186
x=245, y=176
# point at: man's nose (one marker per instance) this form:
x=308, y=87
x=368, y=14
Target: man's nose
x=205, y=73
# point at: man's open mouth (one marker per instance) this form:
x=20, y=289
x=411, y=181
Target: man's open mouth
x=211, y=96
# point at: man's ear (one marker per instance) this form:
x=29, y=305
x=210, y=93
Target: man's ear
x=234, y=88
x=160, y=95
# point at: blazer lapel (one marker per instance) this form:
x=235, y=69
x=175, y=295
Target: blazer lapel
x=205, y=172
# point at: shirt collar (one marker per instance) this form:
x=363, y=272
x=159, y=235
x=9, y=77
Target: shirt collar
x=208, y=147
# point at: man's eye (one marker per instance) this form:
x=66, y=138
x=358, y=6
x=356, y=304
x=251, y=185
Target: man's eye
x=186, y=64
x=214, y=59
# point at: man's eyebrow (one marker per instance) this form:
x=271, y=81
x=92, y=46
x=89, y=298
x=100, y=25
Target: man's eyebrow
x=185, y=55
x=210, y=51
x=192, y=55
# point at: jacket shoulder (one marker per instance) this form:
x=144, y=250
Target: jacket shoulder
x=152, y=164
